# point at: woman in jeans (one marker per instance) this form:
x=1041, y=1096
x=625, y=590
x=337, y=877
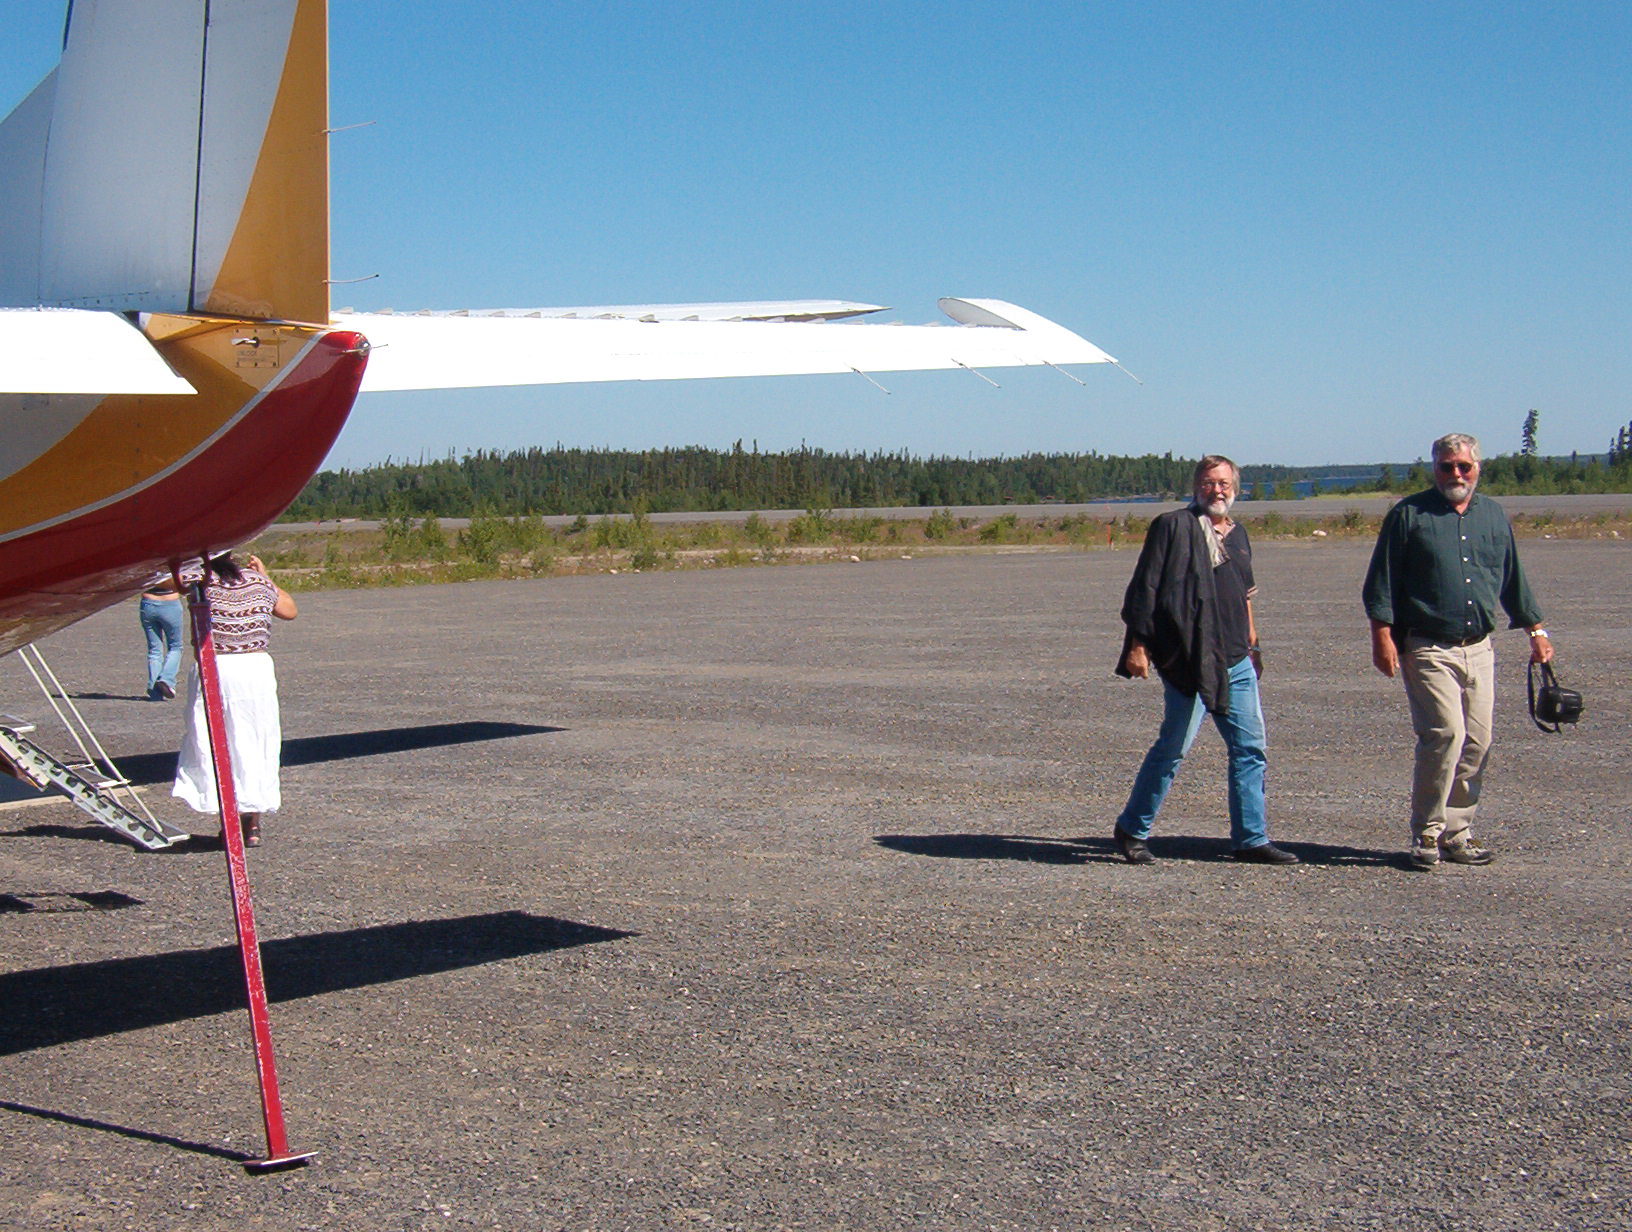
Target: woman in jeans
x=161, y=623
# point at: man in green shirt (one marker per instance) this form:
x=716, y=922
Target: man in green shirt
x=1444, y=561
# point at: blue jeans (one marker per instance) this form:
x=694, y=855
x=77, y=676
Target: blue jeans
x=1243, y=732
x=161, y=621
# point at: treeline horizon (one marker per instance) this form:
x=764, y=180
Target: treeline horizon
x=693, y=478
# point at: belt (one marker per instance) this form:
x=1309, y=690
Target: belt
x=1473, y=639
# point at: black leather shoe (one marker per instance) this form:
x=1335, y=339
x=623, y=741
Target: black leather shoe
x=1264, y=853
x=1133, y=849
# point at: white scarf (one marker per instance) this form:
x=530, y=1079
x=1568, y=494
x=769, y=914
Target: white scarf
x=1215, y=535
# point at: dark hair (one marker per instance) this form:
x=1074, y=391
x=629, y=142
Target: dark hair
x=225, y=568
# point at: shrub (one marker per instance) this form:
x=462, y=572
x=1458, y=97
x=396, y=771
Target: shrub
x=401, y=542
x=337, y=569
x=1002, y=529
x=523, y=534
x=432, y=541
x=811, y=526
x=1085, y=531
x=858, y=530
x=481, y=539
x=941, y=525
x=760, y=532
x=704, y=534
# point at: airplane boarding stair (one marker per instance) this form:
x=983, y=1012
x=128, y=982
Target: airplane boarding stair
x=93, y=783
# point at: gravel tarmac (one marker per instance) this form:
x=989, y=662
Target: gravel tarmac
x=782, y=898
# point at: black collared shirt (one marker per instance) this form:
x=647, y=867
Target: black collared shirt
x=1235, y=586
x=1443, y=574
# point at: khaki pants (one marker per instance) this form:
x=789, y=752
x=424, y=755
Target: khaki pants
x=1452, y=691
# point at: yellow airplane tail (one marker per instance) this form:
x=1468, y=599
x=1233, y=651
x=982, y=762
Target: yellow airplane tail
x=175, y=161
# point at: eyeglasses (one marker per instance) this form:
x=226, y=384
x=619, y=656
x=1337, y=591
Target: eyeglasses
x=1457, y=468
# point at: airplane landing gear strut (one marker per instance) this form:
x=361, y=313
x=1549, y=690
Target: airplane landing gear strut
x=278, y=1154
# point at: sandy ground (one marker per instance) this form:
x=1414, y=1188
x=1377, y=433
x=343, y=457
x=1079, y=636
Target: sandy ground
x=781, y=898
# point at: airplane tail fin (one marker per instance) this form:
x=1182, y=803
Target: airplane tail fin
x=175, y=161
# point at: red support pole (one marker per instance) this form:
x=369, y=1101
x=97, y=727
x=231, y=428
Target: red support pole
x=278, y=1154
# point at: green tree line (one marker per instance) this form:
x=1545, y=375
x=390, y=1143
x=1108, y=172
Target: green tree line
x=692, y=478
x=593, y=481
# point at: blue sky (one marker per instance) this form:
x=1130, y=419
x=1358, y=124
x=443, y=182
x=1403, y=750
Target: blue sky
x=1318, y=232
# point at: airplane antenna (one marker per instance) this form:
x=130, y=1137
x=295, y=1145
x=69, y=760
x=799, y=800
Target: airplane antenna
x=868, y=379
x=346, y=128
x=343, y=282
x=1136, y=379
x=981, y=375
x=1069, y=375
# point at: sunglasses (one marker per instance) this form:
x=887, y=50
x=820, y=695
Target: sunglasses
x=1457, y=468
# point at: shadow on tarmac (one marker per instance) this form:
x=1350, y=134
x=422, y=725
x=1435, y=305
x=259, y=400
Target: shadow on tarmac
x=57, y=902
x=987, y=847
x=57, y=1005
x=145, y=769
x=124, y=1131
x=1102, y=850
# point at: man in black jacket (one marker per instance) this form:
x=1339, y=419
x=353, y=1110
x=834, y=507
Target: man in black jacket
x=1188, y=611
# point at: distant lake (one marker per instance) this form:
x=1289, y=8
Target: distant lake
x=1315, y=483
x=1260, y=491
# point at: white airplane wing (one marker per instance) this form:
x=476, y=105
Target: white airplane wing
x=756, y=310
x=457, y=350
x=80, y=351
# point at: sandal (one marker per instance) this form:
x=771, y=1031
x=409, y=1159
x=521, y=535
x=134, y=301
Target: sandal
x=251, y=824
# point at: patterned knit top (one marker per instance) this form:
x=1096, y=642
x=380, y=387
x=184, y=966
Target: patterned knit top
x=241, y=612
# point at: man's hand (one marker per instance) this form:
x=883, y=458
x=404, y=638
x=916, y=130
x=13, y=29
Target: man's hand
x=1137, y=661
x=1385, y=657
x=1257, y=657
x=1541, y=649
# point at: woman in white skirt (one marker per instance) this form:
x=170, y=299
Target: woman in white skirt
x=243, y=602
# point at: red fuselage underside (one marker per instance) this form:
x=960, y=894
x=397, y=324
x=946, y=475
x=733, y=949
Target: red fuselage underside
x=227, y=493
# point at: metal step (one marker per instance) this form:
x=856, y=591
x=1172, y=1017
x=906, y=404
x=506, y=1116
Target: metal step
x=46, y=772
x=96, y=776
